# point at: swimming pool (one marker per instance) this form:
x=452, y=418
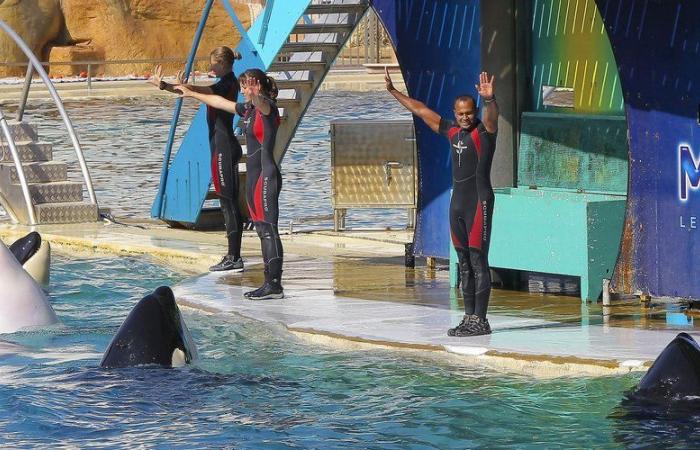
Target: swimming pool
x=257, y=386
x=124, y=139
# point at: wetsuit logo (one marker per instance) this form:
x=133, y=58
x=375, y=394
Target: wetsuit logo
x=688, y=171
x=459, y=148
x=265, y=207
x=222, y=180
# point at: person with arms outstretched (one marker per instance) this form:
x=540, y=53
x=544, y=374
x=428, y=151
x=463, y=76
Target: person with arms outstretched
x=225, y=149
x=260, y=119
x=472, y=145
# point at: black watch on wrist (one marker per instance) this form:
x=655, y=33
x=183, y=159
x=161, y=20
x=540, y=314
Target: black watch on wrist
x=162, y=85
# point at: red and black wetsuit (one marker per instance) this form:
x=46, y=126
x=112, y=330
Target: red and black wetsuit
x=225, y=155
x=471, y=209
x=264, y=182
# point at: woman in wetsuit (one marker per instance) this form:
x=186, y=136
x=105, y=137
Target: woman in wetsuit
x=472, y=145
x=260, y=119
x=225, y=149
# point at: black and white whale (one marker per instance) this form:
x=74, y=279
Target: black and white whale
x=674, y=375
x=153, y=333
x=23, y=304
x=34, y=254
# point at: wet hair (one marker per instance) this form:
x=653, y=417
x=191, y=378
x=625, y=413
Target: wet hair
x=225, y=56
x=267, y=83
x=465, y=98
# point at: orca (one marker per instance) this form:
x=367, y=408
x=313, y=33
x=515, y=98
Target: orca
x=34, y=254
x=674, y=375
x=23, y=304
x=153, y=333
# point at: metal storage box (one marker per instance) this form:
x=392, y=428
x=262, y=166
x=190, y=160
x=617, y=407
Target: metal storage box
x=373, y=165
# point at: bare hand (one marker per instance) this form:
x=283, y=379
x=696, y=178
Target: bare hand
x=251, y=86
x=183, y=90
x=180, y=77
x=387, y=78
x=485, y=86
x=157, y=76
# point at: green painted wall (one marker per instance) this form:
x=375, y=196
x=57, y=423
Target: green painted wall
x=570, y=48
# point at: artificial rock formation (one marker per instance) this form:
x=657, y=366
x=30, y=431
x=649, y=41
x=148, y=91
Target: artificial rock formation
x=113, y=30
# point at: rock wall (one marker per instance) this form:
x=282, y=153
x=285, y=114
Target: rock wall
x=112, y=30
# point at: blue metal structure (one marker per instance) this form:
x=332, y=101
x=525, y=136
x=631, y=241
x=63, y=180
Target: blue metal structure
x=657, y=48
x=438, y=47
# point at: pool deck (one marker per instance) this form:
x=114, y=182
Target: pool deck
x=351, y=290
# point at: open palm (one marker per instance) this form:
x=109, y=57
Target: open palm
x=485, y=86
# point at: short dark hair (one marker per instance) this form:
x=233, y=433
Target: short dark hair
x=465, y=98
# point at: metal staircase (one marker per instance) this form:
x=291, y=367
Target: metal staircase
x=54, y=198
x=34, y=189
x=295, y=42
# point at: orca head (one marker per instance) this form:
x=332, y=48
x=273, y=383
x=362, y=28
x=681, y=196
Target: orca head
x=24, y=248
x=153, y=333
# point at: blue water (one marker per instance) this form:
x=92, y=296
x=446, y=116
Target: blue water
x=124, y=139
x=256, y=386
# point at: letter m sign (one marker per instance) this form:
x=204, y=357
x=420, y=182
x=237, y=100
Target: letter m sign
x=689, y=171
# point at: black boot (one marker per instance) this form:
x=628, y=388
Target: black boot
x=271, y=289
x=474, y=326
x=463, y=325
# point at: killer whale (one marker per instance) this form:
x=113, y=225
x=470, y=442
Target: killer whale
x=34, y=254
x=153, y=333
x=23, y=303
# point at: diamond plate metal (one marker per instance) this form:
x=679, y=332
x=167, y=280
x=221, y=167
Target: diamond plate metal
x=38, y=172
x=28, y=151
x=73, y=212
x=59, y=192
x=22, y=131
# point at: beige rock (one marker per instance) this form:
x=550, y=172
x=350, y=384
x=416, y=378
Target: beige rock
x=117, y=30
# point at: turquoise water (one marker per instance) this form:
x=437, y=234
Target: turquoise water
x=256, y=386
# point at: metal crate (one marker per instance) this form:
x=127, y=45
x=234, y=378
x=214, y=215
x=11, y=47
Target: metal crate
x=373, y=165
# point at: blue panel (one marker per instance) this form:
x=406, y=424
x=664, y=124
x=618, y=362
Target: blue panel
x=657, y=47
x=438, y=47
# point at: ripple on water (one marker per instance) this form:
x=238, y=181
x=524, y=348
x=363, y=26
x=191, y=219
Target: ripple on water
x=123, y=141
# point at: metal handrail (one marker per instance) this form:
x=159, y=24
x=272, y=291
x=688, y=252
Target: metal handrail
x=20, y=170
x=59, y=104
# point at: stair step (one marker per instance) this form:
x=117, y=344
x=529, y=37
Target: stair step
x=56, y=192
x=294, y=84
x=308, y=47
x=28, y=151
x=316, y=28
x=38, y=172
x=72, y=212
x=290, y=66
x=336, y=9
x=21, y=131
x=287, y=102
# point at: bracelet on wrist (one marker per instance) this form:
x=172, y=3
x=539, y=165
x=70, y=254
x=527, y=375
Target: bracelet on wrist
x=490, y=99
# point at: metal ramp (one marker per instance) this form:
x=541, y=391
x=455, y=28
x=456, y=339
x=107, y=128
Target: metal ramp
x=296, y=42
x=34, y=189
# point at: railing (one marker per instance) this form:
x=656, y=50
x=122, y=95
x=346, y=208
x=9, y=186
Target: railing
x=91, y=64
x=36, y=65
x=20, y=170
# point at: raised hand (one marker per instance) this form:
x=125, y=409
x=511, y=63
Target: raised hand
x=485, y=86
x=180, y=77
x=157, y=76
x=387, y=78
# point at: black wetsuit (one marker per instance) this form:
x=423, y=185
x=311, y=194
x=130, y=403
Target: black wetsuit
x=471, y=209
x=264, y=182
x=225, y=155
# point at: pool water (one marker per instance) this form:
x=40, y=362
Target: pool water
x=257, y=386
x=123, y=141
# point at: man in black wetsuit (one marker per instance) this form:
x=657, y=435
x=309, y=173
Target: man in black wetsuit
x=225, y=149
x=472, y=145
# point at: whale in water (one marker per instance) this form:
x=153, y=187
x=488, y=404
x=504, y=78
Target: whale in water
x=34, y=254
x=153, y=333
x=23, y=304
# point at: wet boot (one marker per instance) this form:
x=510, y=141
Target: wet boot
x=463, y=326
x=271, y=289
x=475, y=326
